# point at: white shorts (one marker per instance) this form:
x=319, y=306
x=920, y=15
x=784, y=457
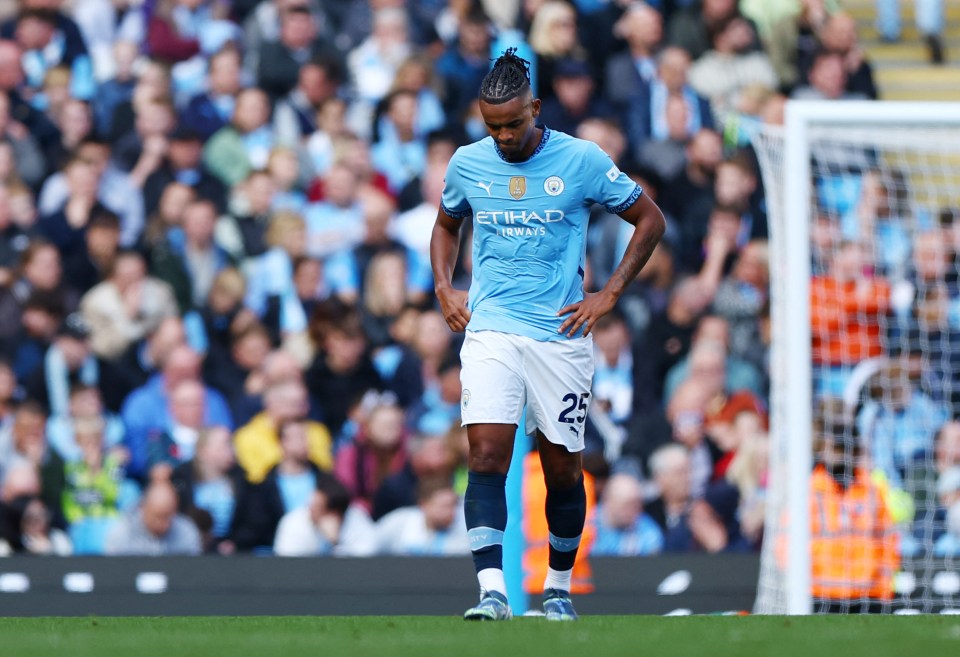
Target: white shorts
x=502, y=372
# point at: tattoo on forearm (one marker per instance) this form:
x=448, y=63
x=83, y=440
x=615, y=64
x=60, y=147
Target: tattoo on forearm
x=634, y=260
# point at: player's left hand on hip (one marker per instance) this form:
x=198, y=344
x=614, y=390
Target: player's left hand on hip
x=585, y=313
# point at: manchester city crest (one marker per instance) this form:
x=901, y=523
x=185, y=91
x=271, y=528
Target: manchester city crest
x=465, y=398
x=553, y=185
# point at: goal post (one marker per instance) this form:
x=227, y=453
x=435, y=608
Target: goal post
x=820, y=137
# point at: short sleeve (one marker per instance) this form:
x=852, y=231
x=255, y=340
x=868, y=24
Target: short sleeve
x=606, y=184
x=454, y=200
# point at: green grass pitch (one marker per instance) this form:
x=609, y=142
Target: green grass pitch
x=420, y=636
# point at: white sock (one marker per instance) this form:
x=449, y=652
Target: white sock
x=491, y=579
x=558, y=579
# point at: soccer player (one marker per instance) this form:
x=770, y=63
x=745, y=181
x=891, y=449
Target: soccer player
x=528, y=321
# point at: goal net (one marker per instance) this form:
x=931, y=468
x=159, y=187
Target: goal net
x=863, y=511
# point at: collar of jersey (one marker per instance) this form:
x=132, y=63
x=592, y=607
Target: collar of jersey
x=543, y=142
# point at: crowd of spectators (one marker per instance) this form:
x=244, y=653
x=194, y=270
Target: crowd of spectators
x=217, y=325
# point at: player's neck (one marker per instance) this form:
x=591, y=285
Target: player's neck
x=530, y=148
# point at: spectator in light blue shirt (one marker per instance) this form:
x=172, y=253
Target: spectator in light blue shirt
x=336, y=223
x=400, y=152
x=211, y=482
x=613, y=373
x=882, y=216
x=46, y=46
x=155, y=529
x=271, y=293
x=900, y=425
x=623, y=529
x=361, y=272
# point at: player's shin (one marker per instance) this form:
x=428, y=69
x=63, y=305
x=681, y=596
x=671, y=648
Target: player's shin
x=566, y=510
x=485, y=508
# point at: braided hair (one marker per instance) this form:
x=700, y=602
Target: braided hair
x=509, y=78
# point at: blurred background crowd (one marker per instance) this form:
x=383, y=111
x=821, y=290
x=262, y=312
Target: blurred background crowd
x=217, y=325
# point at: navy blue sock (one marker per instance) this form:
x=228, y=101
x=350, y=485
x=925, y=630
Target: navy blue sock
x=485, y=508
x=566, y=511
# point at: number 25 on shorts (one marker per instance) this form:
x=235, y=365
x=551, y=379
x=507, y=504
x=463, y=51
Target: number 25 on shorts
x=575, y=403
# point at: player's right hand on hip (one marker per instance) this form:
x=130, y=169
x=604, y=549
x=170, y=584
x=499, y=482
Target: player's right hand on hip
x=453, y=305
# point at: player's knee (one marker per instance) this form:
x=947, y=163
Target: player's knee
x=489, y=458
x=490, y=451
x=561, y=475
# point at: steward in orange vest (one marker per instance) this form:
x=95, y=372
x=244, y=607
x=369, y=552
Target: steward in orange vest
x=853, y=544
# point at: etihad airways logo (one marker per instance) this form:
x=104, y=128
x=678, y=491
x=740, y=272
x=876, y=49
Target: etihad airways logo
x=518, y=223
x=514, y=217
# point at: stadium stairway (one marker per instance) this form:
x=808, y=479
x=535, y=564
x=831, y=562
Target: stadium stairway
x=903, y=70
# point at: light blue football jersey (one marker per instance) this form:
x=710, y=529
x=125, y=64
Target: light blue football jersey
x=530, y=227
